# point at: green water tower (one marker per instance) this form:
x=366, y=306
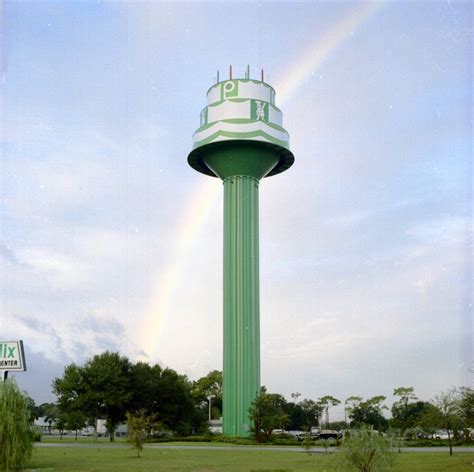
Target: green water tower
x=241, y=140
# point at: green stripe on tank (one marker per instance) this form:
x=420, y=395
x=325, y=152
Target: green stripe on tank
x=245, y=121
x=243, y=135
x=240, y=121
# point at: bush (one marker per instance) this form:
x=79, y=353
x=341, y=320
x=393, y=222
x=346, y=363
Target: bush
x=436, y=443
x=366, y=451
x=205, y=438
x=284, y=440
x=16, y=437
x=37, y=433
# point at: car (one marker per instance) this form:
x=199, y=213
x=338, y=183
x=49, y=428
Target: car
x=299, y=435
x=443, y=434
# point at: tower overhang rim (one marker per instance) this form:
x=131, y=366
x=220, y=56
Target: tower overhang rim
x=285, y=161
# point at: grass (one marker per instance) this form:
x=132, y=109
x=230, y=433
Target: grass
x=80, y=440
x=68, y=459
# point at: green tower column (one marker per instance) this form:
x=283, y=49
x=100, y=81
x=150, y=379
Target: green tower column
x=241, y=303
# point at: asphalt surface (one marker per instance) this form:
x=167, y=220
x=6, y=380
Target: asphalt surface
x=242, y=448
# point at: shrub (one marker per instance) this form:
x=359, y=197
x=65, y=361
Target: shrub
x=37, y=433
x=139, y=425
x=16, y=438
x=366, y=451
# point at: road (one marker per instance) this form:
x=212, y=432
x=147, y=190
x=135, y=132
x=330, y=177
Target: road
x=243, y=448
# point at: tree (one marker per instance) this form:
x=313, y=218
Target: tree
x=139, y=425
x=369, y=412
x=311, y=412
x=209, y=385
x=167, y=394
x=366, y=451
x=296, y=416
x=75, y=420
x=107, y=382
x=51, y=414
x=466, y=406
x=265, y=413
x=295, y=396
x=349, y=405
x=401, y=406
x=430, y=418
x=16, y=438
x=101, y=388
x=32, y=407
x=410, y=417
x=61, y=424
x=326, y=402
x=448, y=404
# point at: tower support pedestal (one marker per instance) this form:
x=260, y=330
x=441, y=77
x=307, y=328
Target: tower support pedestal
x=241, y=303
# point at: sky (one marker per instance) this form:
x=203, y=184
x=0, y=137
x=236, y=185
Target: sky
x=109, y=240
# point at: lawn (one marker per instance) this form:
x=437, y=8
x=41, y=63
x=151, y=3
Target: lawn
x=120, y=459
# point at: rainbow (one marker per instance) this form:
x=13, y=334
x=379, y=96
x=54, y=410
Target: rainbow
x=164, y=290
x=320, y=50
x=202, y=198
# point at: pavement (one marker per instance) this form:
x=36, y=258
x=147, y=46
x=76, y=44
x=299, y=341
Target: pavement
x=316, y=450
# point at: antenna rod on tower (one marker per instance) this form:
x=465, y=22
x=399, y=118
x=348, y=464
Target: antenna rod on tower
x=230, y=72
x=217, y=76
x=262, y=75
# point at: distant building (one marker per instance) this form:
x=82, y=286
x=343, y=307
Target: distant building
x=215, y=426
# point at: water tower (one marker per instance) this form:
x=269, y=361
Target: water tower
x=240, y=140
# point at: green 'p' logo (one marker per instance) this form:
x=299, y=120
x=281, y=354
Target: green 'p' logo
x=230, y=89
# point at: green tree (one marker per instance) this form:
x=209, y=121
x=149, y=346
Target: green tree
x=400, y=408
x=466, y=406
x=369, y=412
x=75, y=420
x=265, y=413
x=448, y=404
x=296, y=416
x=33, y=408
x=430, y=418
x=167, y=394
x=211, y=384
x=16, y=438
x=326, y=402
x=366, y=451
x=139, y=425
x=349, y=404
x=61, y=424
x=99, y=389
x=51, y=414
x=311, y=412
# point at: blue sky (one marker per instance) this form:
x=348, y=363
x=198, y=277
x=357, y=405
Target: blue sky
x=109, y=240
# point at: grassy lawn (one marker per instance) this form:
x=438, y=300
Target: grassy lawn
x=80, y=440
x=107, y=459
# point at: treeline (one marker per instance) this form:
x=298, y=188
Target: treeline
x=412, y=418
x=108, y=386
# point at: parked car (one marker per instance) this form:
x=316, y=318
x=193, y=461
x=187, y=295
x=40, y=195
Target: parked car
x=443, y=434
x=299, y=435
x=330, y=434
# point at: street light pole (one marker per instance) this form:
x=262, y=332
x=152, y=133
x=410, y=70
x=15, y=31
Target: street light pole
x=209, y=398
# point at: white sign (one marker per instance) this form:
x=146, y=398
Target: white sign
x=12, y=356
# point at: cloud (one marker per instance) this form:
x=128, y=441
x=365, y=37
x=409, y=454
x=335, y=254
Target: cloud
x=41, y=370
x=7, y=254
x=43, y=329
